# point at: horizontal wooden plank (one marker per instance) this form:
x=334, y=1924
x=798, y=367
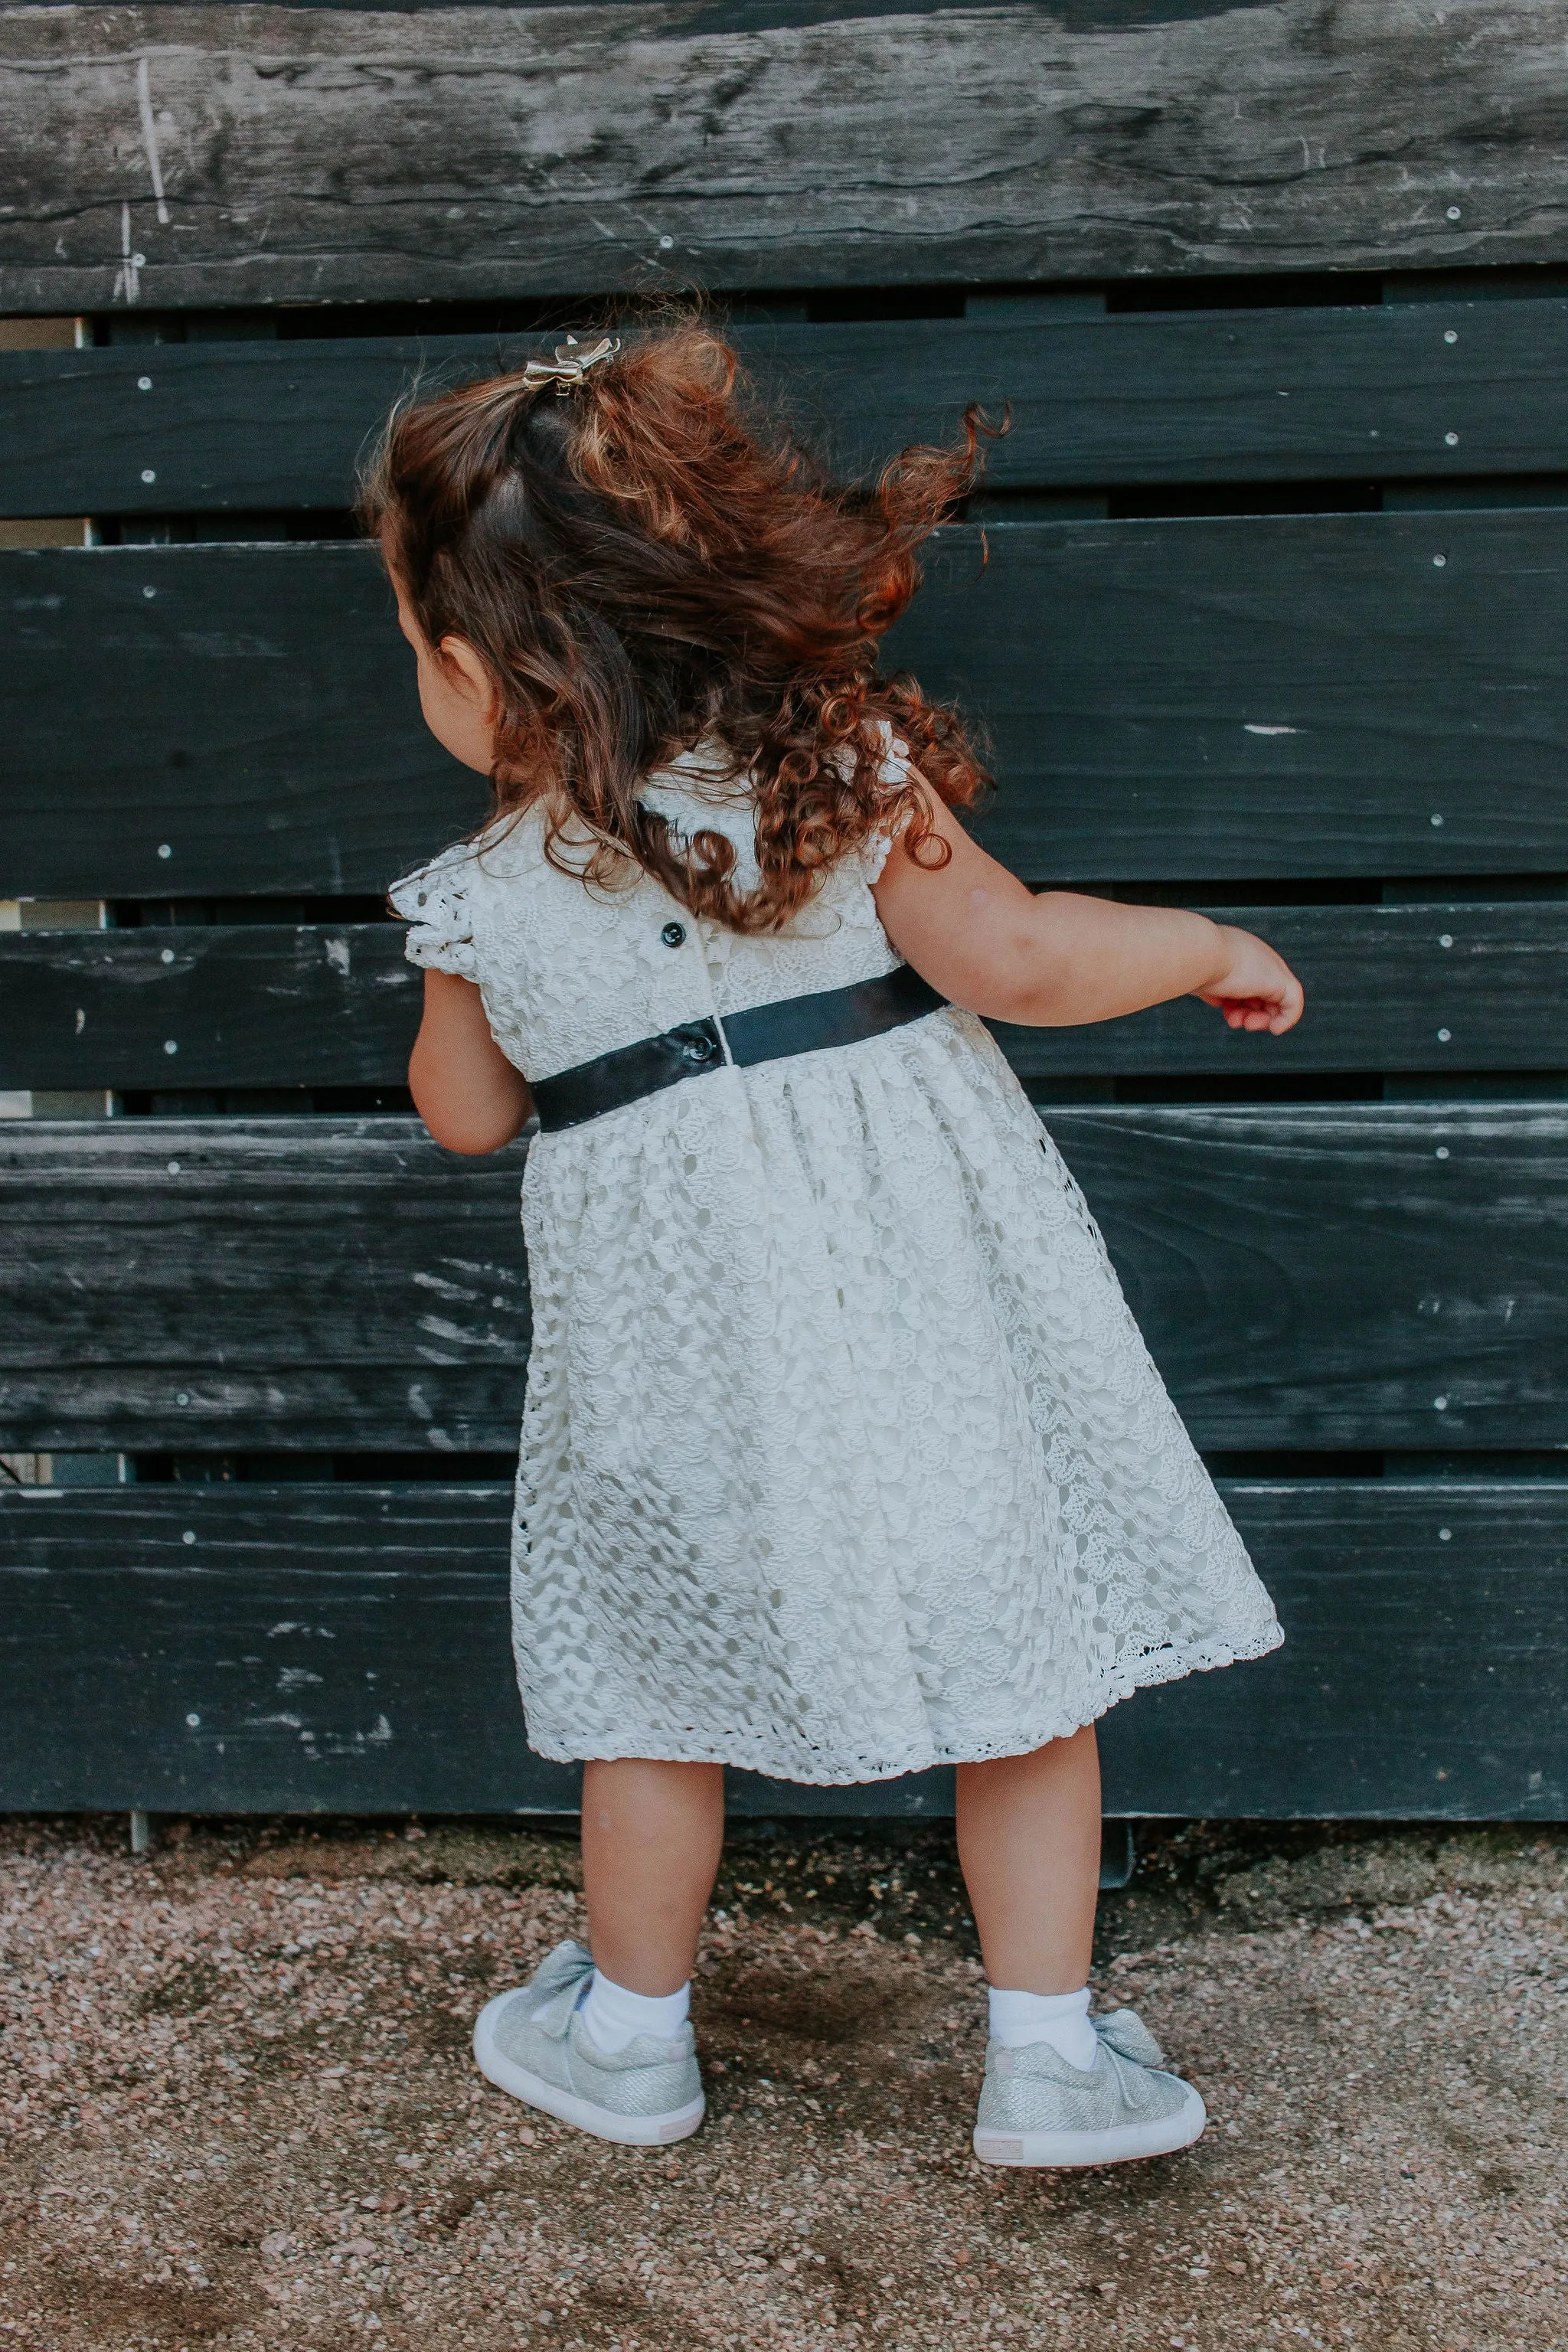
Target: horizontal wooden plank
x=1422, y=1671
x=1331, y=1273
x=187, y=1314
x=251, y=154
x=1327, y=695
x=1470, y=986
x=1460, y=388
x=234, y=1649
x=1334, y=695
x=1353, y=1276
x=243, y=1004
x=256, y=728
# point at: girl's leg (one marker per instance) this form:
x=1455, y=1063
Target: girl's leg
x=652, y=1834
x=1029, y=1840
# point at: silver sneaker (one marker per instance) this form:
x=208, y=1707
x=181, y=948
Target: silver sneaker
x=1036, y=2109
x=532, y=2043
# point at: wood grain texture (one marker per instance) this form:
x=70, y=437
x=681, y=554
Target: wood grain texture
x=248, y=717
x=240, y=1004
x=1422, y=1675
x=346, y=1649
x=336, y=1005
x=1163, y=699
x=316, y=1282
x=1138, y=397
x=1332, y=1274
x=1338, y=695
x=1307, y=1276
x=266, y=158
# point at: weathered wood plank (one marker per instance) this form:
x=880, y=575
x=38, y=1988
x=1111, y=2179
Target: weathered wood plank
x=346, y=1648
x=1239, y=395
x=1422, y=1675
x=1364, y=1276
x=245, y=712
x=1163, y=699
x=1211, y=683
x=246, y=1004
x=1339, y=1272
x=195, y=1276
x=1432, y=987
x=249, y=154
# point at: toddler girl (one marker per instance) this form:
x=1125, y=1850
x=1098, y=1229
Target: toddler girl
x=842, y=1456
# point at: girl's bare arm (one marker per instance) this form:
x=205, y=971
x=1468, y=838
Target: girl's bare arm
x=1057, y=959
x=467, y=1093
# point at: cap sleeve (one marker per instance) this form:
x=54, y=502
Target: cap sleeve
x=435, y=900
x=892, y=774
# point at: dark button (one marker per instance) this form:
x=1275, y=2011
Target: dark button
x=674, y=935
x=699, y=1049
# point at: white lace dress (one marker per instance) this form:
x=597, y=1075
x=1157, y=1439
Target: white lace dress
x=842, y=1454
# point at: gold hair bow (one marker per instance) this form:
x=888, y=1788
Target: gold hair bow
x=570, y=364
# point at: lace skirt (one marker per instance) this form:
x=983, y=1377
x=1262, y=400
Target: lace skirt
x=842, y=1454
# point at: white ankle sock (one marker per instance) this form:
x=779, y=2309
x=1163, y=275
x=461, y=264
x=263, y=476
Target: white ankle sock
x=615, y=2017
x=1059, y=2018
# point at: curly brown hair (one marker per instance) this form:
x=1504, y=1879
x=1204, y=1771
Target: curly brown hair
x=650, y=561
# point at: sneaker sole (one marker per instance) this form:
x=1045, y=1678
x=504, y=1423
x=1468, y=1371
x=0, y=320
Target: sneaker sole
x=603, y=2123
x=1120, y=2144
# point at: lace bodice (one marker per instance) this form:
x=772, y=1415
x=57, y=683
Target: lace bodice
x=568, y=973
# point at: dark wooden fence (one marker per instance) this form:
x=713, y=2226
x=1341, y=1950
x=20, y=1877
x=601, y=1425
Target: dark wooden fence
x=1262, y=607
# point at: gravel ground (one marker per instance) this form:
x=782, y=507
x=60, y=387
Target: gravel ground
x=240, y=2112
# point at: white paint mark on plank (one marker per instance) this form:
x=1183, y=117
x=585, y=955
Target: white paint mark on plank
x=150, y=135
x=128, y=277
x=455, y=1292
x=456, y=1336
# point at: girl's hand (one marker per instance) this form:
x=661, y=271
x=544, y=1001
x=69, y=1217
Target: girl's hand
x=1257, y=988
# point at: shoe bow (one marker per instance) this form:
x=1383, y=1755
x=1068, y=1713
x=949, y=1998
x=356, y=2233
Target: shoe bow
x=559, y=1984
x=1125, y=2032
